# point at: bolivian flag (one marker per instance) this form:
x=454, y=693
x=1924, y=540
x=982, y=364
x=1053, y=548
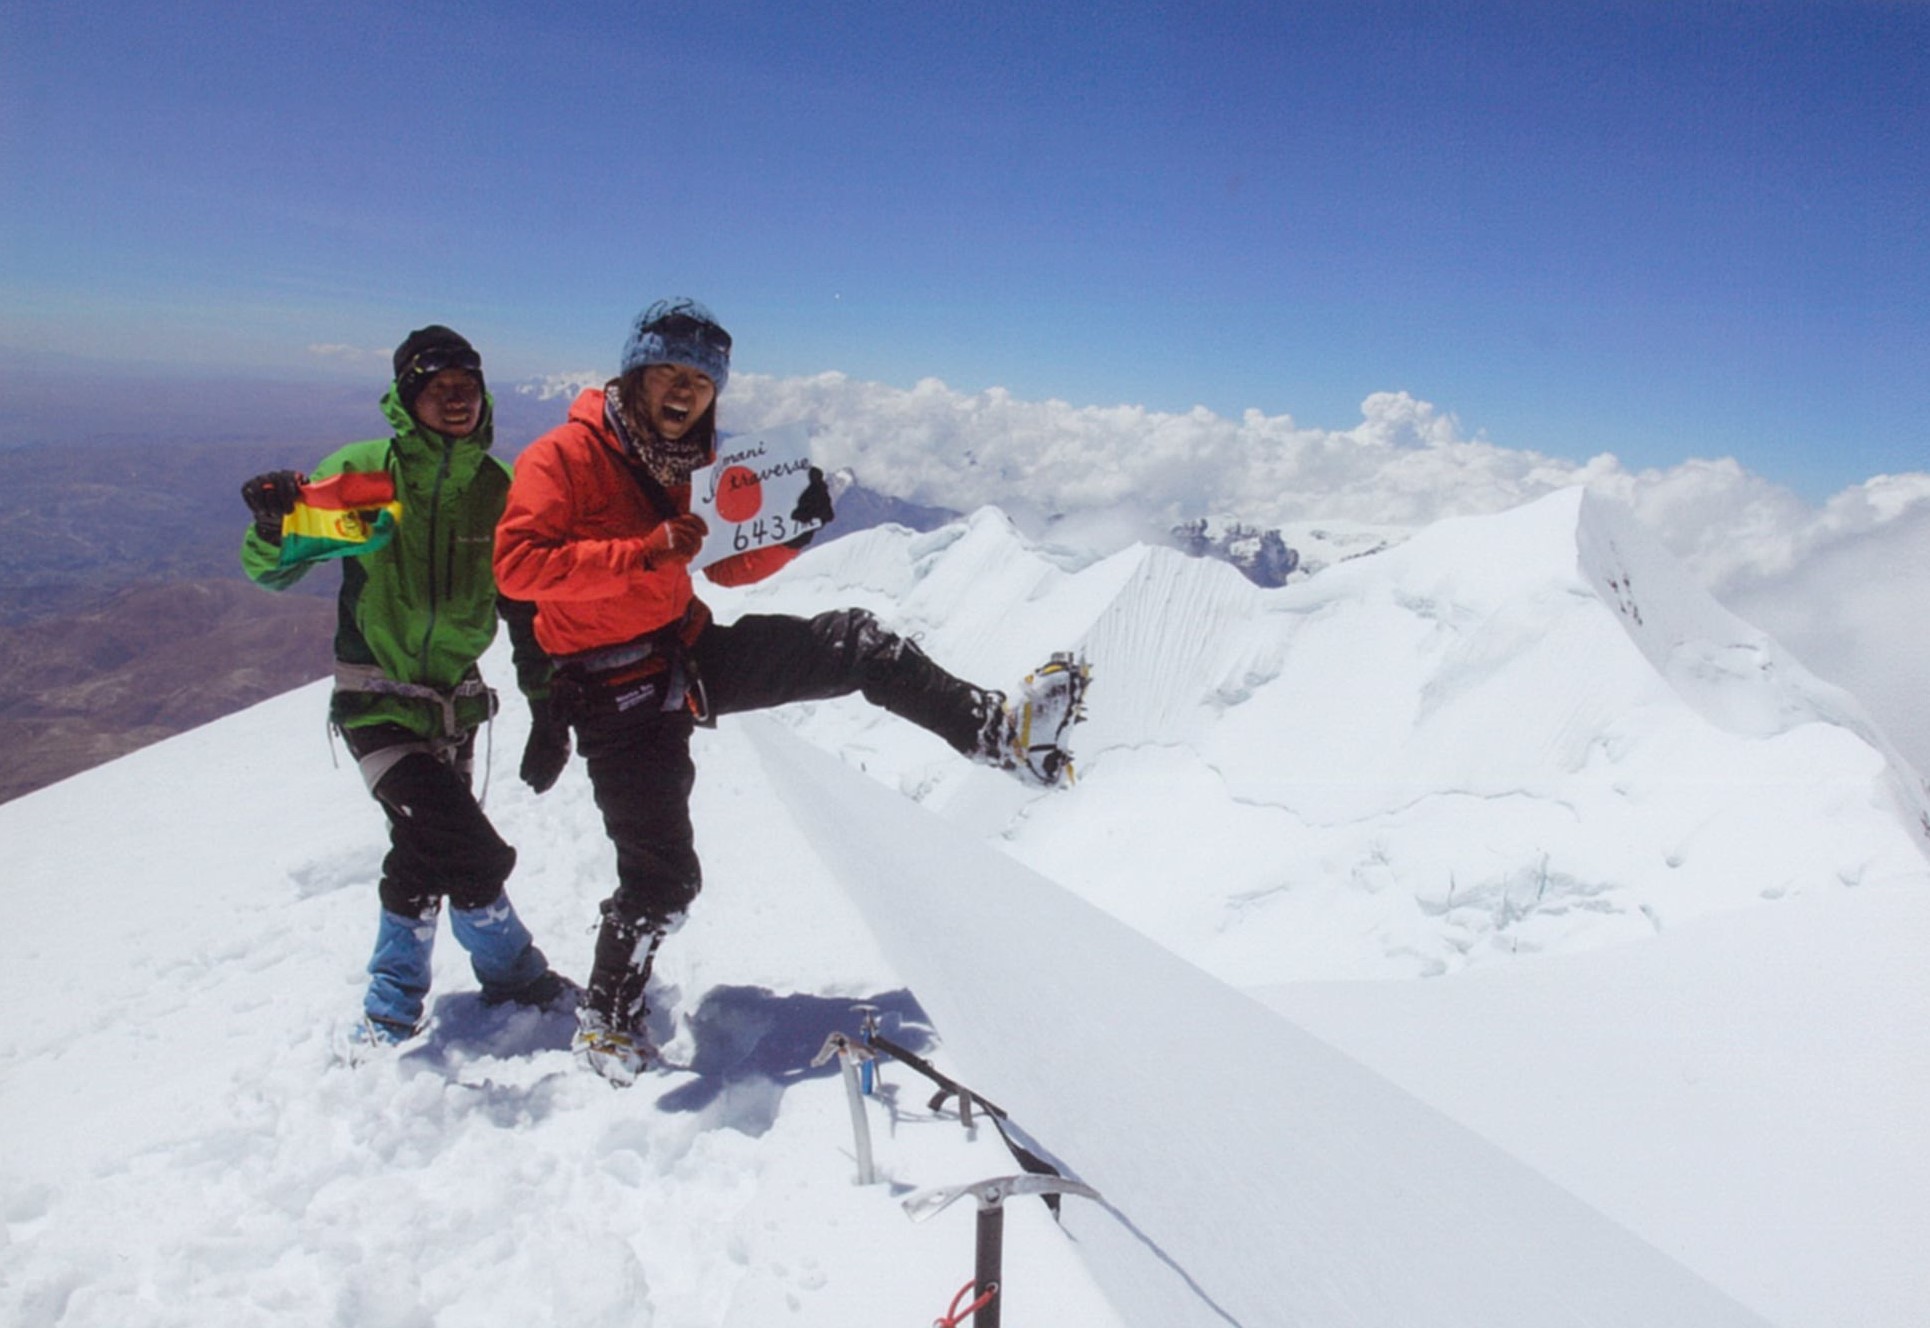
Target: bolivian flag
x=341, y=516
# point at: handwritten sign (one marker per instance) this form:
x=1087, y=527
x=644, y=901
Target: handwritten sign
x=747, y=495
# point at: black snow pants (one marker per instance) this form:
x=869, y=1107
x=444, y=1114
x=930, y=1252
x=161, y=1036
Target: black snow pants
x=441, y=845
x=642, y=774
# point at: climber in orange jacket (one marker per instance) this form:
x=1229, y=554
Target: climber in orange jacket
x=598, y=533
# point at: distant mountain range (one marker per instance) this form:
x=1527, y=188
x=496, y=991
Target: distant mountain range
x=1262, y=555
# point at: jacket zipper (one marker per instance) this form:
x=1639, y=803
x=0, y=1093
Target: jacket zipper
x=435, y=550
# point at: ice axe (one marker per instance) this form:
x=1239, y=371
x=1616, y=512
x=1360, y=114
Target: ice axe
x=990, y=1254
x=849, y=1052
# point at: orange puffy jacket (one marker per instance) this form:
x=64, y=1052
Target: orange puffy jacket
x=571, y=540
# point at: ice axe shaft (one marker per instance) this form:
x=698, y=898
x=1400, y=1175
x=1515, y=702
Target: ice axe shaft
x=847, y=1053
x=988, y=1261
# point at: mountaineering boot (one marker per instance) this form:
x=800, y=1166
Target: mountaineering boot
x=398, y=976
x=368, y=1039
x=505, y=958
x=1029, y=737
x=611, y=1052
x=611, y=1039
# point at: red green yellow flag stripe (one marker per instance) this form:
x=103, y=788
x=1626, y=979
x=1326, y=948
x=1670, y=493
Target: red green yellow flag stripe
x=341, y=516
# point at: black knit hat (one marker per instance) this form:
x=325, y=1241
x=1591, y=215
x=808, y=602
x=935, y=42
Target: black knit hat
x=426, y=352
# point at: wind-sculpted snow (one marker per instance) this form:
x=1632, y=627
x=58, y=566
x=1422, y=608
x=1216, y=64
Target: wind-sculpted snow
x=1446, y=756
x=1731, y=673
x=1247, y=1177
x=1508, y=734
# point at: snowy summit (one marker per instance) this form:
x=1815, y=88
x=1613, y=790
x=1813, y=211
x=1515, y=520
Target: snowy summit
x=1492, y=931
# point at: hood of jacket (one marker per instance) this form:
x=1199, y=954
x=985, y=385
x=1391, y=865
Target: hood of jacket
x=422, y=451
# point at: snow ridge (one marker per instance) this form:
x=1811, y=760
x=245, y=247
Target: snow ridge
x=1162, y=1088
x=1504, y=736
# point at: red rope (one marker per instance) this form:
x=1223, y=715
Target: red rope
x=955, y=1316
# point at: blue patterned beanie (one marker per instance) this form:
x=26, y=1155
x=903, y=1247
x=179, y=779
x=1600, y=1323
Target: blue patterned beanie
x=679, y=331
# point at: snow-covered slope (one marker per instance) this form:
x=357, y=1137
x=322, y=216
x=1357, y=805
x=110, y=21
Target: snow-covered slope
x=1465, y=753
x=1747, y=1091
x=190, y=922
x=1248, y=1173
x=1510, y=734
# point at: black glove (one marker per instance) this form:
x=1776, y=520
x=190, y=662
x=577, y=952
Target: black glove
x=548, y=748
x=814, y=504
x=271, y=497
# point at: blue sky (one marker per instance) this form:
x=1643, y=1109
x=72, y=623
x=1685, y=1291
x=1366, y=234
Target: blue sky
x=1661, y=229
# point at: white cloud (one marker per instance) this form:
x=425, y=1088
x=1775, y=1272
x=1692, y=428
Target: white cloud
x=330, y=350
x=1406, y=463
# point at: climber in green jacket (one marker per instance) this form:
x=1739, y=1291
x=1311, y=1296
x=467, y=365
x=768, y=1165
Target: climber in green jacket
x=411, y=519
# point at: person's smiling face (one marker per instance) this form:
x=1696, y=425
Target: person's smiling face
x=451, y=403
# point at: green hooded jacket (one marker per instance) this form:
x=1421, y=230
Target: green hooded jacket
x=422, y=608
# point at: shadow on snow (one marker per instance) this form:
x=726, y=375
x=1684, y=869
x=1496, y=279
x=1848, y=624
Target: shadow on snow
x=746, y=1045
